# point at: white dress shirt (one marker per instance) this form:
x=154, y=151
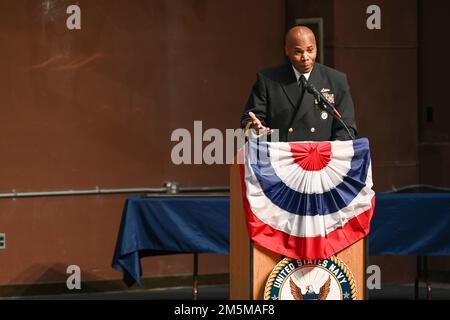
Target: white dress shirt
x=298, y=74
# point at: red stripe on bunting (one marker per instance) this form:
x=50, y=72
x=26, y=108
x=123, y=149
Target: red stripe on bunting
x=305, y=248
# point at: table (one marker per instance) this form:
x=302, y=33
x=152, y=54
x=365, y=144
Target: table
x=403, y=224
x=411, y=224
x=174, y=224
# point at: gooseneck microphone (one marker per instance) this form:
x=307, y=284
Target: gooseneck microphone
x=326, y=105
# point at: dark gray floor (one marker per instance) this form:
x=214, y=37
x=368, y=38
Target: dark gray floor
x=387, y=292
x=180, y=293
x=406, y=292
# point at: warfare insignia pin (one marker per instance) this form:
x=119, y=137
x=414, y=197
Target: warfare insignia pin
x=328, y=279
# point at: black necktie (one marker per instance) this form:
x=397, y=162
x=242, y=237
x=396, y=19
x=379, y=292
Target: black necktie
x=302, y=86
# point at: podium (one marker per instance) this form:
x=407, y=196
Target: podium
x=250, y=264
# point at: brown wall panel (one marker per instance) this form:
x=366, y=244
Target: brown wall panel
x=96, y=107
x=433, y=83
x=46, y=235
x=434, y=130
x=386, y=108
x=396, y=269
x=398, y=23
x=382, y=71
x=434, y=72
x=434, y=164
x=214, y=60
x=394, y=175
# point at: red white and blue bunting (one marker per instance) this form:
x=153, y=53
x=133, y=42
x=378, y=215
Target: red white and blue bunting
x=307, y=200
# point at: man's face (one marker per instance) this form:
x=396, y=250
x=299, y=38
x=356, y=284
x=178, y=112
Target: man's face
x=301, y=50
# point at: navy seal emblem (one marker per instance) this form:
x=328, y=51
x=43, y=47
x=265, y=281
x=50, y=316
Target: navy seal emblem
x=328, y=279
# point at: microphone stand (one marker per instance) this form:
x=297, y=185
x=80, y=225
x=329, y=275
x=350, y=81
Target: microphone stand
x=326, y=106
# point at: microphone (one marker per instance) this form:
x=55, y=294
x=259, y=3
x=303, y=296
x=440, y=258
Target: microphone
x=321, y=99
x=327, y=106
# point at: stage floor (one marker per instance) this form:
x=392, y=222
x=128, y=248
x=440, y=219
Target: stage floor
x=387, y=292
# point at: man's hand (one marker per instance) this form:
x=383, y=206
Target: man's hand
x=257, y=125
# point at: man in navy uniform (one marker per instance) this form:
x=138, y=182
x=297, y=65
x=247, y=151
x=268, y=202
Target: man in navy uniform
x=279, y=99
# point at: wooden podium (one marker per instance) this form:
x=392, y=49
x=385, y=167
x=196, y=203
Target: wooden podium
x=250, y=265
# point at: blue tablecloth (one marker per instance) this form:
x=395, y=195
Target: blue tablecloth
x=411, y=224
x=403, y=224
x=170, y=225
